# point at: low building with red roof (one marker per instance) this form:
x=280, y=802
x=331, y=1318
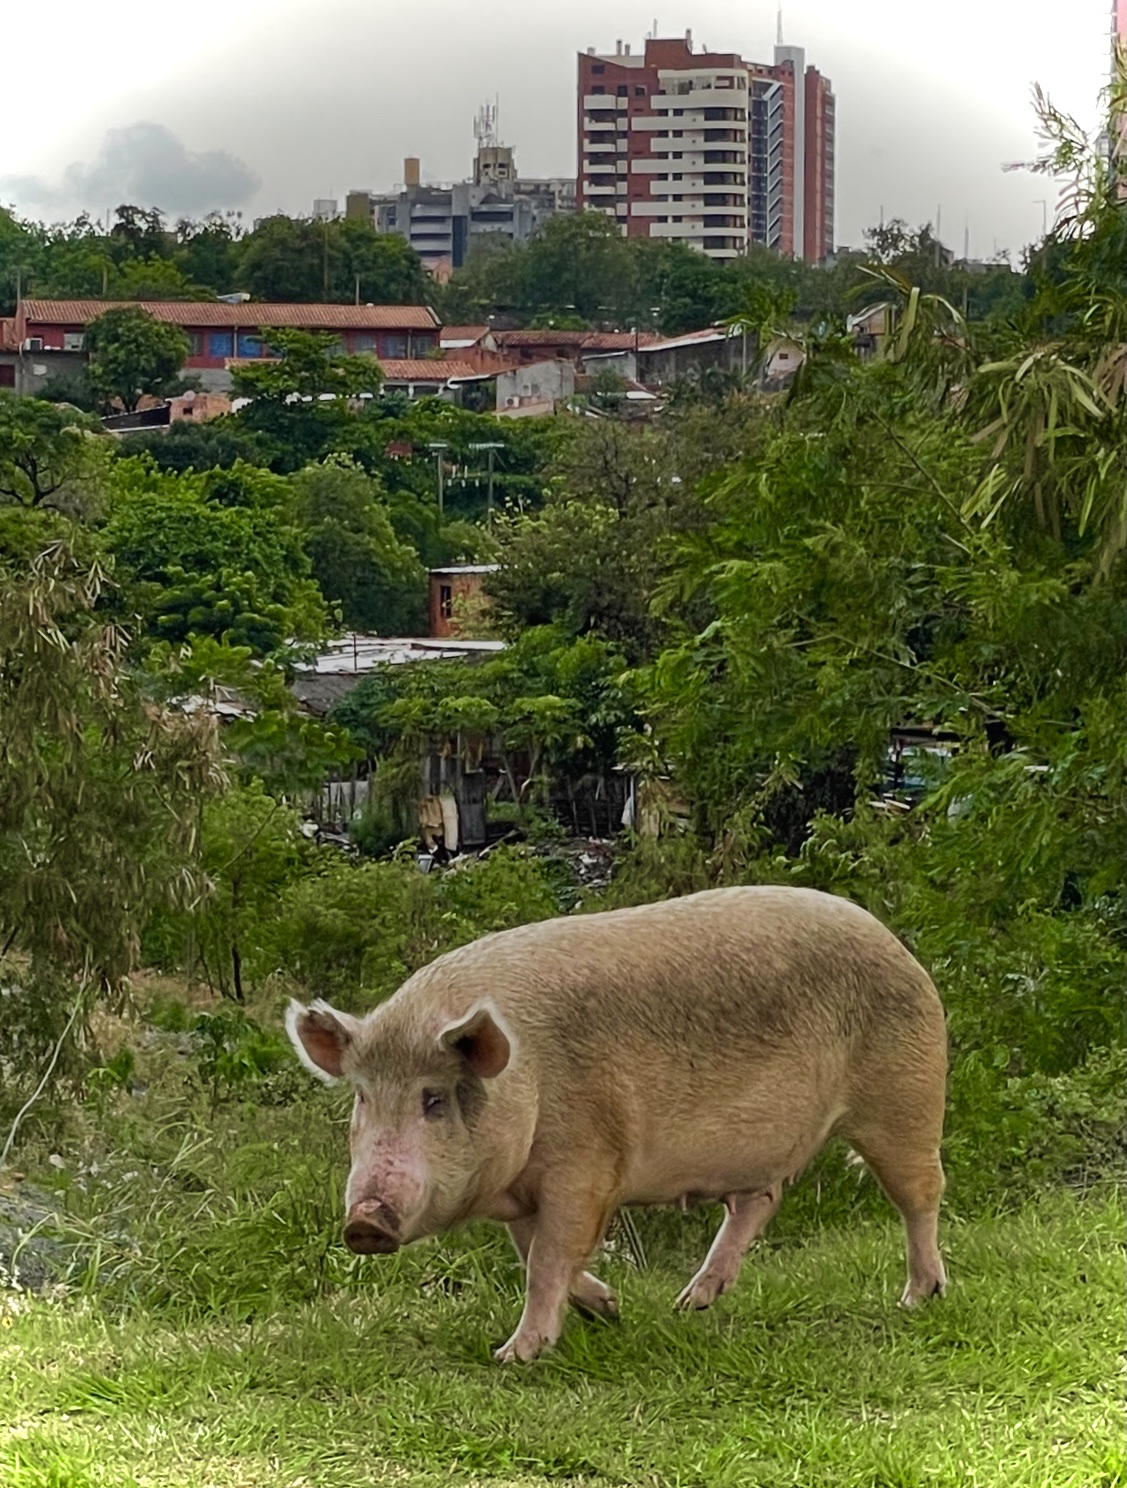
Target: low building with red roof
x=47, y=337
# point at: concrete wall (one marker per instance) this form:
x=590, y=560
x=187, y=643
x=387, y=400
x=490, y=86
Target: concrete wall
x=538, y=382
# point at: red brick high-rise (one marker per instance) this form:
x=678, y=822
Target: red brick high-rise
x=707, y=149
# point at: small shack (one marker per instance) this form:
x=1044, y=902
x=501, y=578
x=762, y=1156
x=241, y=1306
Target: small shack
x=455, y=593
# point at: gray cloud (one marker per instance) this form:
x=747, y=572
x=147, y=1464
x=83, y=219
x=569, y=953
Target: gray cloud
x=144, y=164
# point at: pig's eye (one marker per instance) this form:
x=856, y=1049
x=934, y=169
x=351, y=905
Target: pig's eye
x=434, y=1104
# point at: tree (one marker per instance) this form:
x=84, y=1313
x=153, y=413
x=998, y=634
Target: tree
x=50, y=455
x=207, y=252
x=301, y=404
x=293, y=259
x=217, y=554
x=132, y=356
x=357, y=559
x=100, y=788
x=215, y=444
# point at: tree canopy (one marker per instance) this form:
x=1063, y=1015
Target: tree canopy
x=132, y=356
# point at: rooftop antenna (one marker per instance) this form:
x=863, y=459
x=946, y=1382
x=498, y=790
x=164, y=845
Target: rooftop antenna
x=485, y=125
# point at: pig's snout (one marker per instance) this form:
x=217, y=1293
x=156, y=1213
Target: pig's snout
x=371, y=1228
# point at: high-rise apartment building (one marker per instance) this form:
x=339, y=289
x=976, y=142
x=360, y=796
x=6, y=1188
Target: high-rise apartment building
x=707, y=149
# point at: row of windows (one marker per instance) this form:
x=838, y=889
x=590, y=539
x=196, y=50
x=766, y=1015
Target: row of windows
x=249, y=345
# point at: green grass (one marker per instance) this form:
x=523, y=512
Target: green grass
x=808, y=1374
x=215, y=1333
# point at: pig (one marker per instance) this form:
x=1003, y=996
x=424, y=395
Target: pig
x=700, y=1049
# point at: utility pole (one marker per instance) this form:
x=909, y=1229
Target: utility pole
x=489, y=446
x=438, y=446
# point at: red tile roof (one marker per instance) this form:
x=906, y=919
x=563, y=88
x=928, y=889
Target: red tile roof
x=425, y=369
x=216, y=313
x=540, y=338
x=465, y=333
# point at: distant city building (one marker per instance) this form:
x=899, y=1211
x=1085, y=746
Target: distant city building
x=444, y=223
x=707, y=149
x=325, y=209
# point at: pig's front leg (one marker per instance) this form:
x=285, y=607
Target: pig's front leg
x=564, y=1233
x=587, y=1293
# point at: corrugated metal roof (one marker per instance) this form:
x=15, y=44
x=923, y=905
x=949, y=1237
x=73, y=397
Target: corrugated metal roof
x=691, y=338
x=468, y=568
x=216, y=313
x=360, y=653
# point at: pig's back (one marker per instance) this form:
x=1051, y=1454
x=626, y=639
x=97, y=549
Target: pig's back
x=743, y=969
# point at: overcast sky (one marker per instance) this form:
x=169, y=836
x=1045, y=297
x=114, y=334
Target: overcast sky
x=265, y=104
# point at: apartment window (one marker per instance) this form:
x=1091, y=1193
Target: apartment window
x=678, y=113
x=639, y=92
x=677, y=154
x=446, y=601
x=598, y=88
x=598, y=69
x=195, y=343
x=678, y=175
x=622, y=90
x=364, y=341
x=220, y=343
x=394, y=346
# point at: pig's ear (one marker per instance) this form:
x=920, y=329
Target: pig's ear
x=482, y=1042
x=320, y=1035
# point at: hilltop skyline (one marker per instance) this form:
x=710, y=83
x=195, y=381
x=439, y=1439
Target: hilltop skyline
x=265, y=107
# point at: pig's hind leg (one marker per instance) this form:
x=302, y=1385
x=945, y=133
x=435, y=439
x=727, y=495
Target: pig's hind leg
x=588, y=1294
x=747, y=1214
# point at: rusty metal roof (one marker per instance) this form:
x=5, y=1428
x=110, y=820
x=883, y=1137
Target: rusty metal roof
x=584, y=340
x=216, y=313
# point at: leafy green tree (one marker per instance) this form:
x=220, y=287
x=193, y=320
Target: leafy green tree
x=217, y=554
x=292, y=259
x=138, y=233
x=251, y=849
x=301, y=404
x=49, y=455
x=207, y=252
x=357, y=559
x=153, y=279
x=132, y=356
x=99, y=788
x=216, y=444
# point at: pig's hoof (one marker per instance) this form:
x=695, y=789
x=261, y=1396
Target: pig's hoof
x=520, y=1349
x=593, y=1298
x=701, y=1292
x=922, y=1291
